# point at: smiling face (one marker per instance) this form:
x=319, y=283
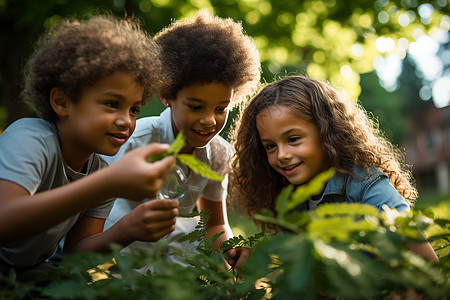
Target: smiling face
x=102, y=119
x=200, y=111
x=293, y=145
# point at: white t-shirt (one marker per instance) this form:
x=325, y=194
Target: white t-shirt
x=30, y=156
x=216, y=154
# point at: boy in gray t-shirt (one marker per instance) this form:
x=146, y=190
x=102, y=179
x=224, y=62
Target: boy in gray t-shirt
x=87, y=80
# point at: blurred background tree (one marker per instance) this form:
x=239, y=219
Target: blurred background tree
x=325, y=39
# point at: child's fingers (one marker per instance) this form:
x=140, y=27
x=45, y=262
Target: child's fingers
x=159, y=228
x=163, y=225
x=244, y=254
x=162, y=204
x=163, y=166
x=154, y=148
x=163, y=233
x=157, y=215
x=231, y=262
x=231, y=253
x=231, y=257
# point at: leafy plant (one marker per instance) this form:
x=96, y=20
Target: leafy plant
x=348, y=251
x=187, y=159
x=240, y=241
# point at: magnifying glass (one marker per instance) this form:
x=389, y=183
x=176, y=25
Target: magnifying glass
x=175, y=186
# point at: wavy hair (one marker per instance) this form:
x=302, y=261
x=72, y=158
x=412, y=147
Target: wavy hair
x=77, y=53
x=348, y=135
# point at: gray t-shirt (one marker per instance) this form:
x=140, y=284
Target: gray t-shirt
x=30, y=156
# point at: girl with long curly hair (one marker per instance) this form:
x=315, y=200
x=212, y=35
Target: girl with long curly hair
x=299, y=127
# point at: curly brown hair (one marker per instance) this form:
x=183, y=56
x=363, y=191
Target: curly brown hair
x=207, y=49
x=74, y=54
x=348, y=135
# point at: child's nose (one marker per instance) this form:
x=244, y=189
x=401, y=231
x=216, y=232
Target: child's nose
x=208, y=120
x=283, y=154
x=125, y=120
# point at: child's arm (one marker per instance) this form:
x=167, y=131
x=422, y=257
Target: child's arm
x=425, y=250
x=217, y=223
x=149, y=222
x=132, y=177
x=218, y=220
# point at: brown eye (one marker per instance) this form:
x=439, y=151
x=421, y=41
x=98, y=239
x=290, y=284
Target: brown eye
x=112, y=104
x=222, y=109
x=293, y=139
x=194, y=107
x=269, y=147
x=135, y=110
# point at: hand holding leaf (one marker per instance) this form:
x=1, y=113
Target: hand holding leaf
x=189, y=160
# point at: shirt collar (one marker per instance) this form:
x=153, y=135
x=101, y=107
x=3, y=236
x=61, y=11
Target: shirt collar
x=336, y=185
x=166, y=122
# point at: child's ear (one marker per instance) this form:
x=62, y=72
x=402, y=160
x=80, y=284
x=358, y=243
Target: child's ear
x=164, y=101
x=59, y=102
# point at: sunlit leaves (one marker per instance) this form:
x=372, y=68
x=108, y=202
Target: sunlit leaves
x=189, y=160
x=341, y=228
x=344, y=250
x=198, y=167
x=354, y=209
x=239, y=241
x=312, y=188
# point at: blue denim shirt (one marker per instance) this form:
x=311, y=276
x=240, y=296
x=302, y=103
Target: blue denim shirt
x=369, y=187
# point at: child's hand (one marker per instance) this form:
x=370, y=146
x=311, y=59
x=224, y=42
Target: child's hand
x=237, y=257
x=132, y=177
x=150, y=221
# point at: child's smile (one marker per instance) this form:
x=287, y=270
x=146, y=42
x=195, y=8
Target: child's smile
x=204, y=135
x=289, y=170
x=120, y=138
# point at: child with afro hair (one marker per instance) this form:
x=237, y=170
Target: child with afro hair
x=87, y=79
x=211, y=66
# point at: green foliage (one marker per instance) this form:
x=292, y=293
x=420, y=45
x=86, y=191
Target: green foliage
x=198, y=167
x=198, y=235
x=189, y=160
x=387, y=109
x=315, y=37
x=347, y=250
x=176, y=146
x=303, y=192
x=239, y=241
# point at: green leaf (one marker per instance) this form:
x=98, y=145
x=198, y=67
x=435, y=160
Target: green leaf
x=288, y=199
x=174, y=149
x=189, y=160
x=276, y=221
x=314, y=187
x=177, y=145
x=351, y=209
x=198, y=167
x=283, y=200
